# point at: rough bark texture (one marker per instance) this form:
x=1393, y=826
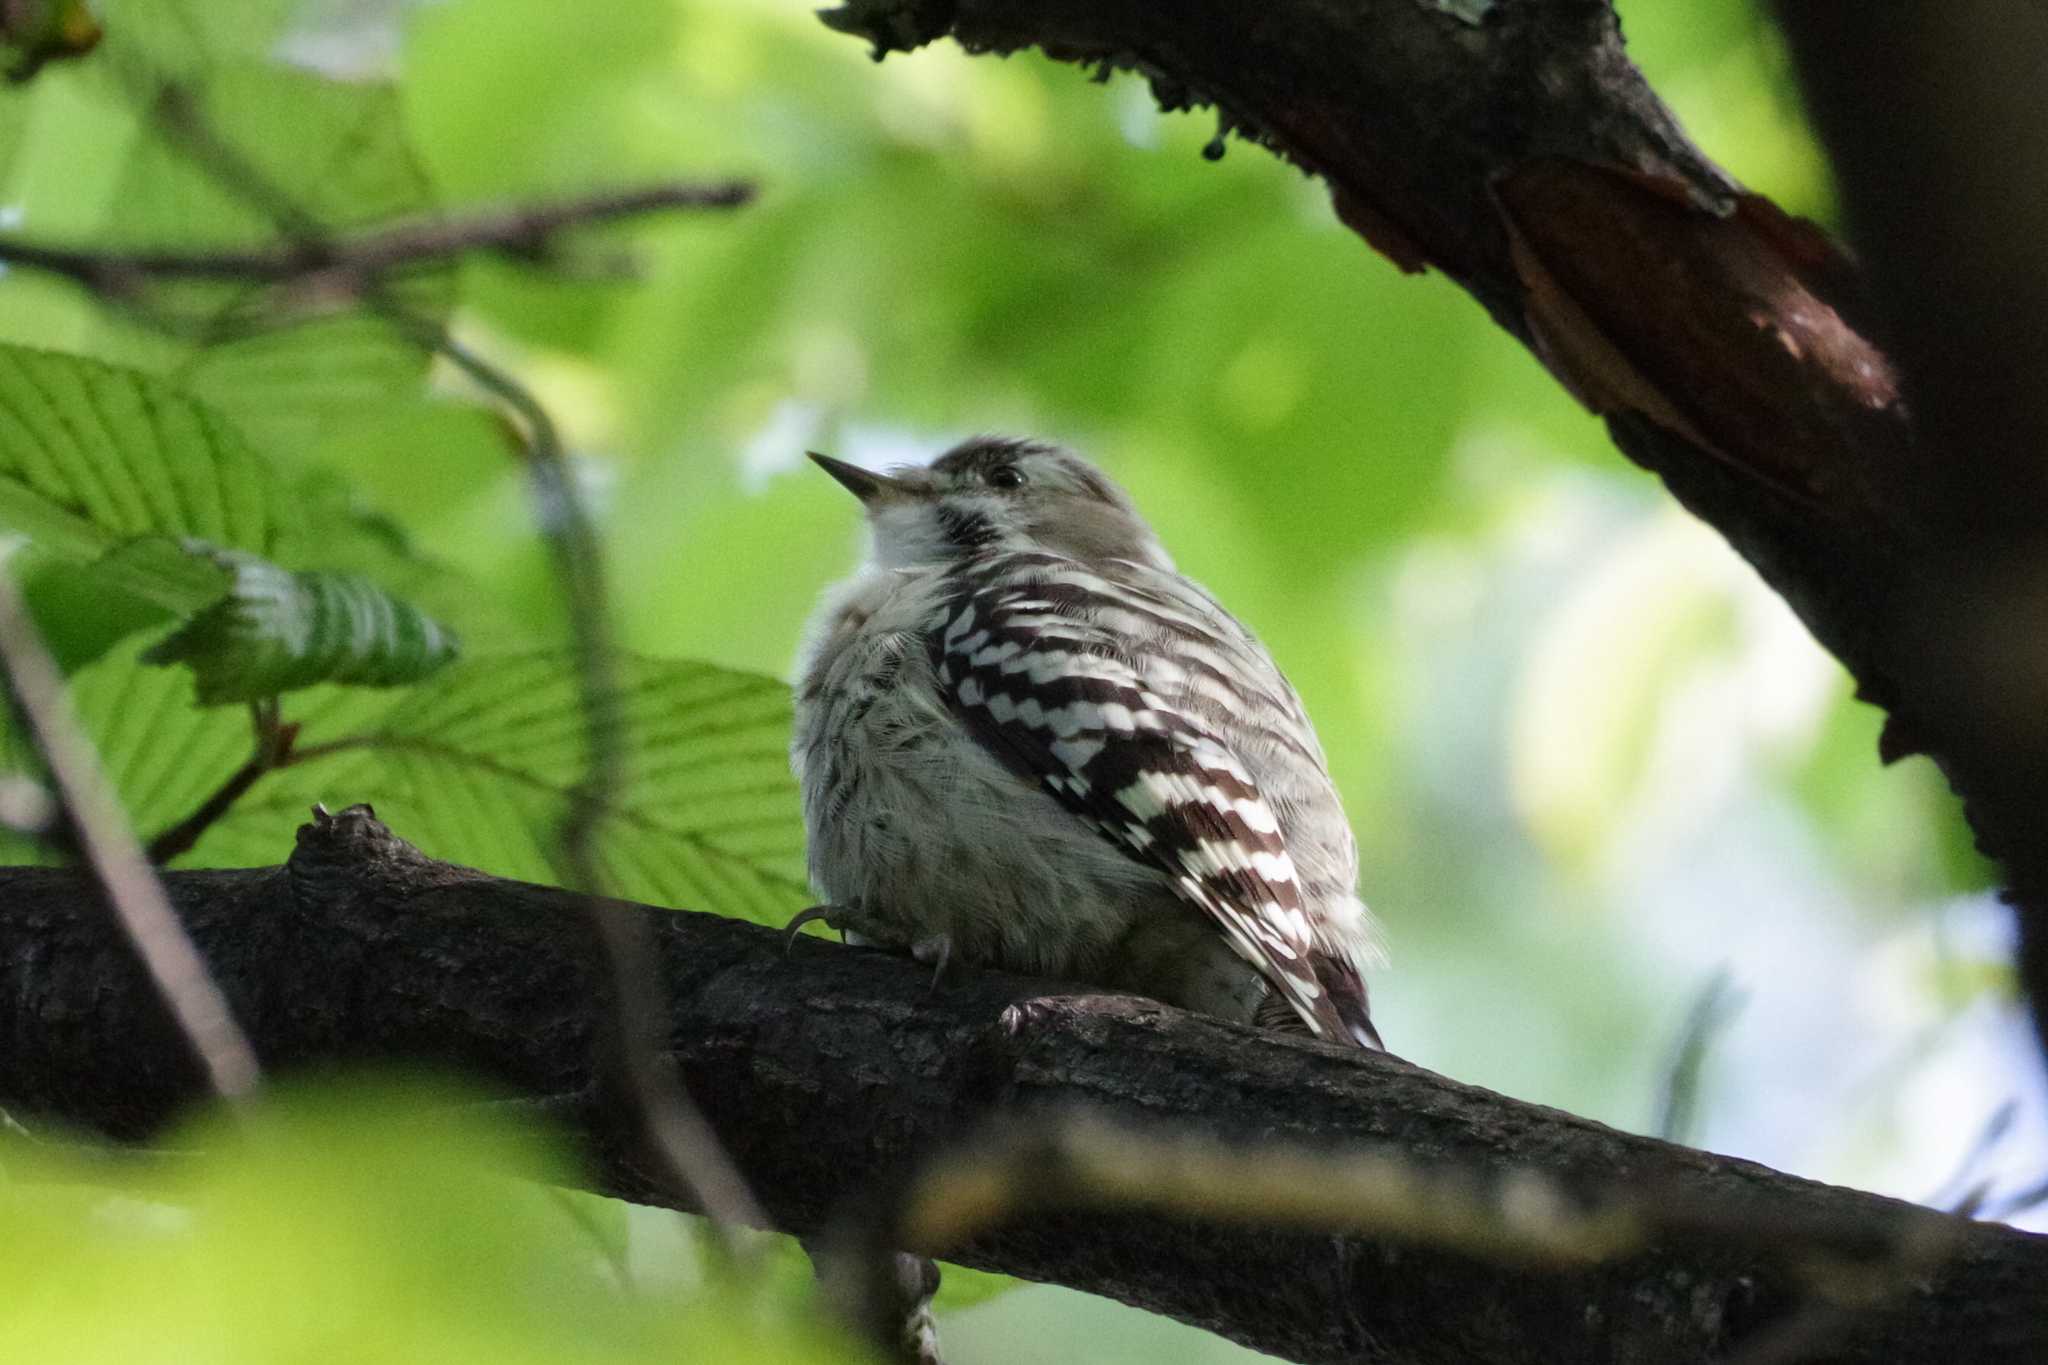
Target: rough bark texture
x=1935, y=115
x=1514, y=147
x=830, y=1071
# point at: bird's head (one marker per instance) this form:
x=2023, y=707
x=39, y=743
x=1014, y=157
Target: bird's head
x=994, y=494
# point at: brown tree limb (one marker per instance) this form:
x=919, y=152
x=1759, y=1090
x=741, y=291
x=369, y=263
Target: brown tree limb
x=1935, y=116
x=1729, y=346
x=832, y=1073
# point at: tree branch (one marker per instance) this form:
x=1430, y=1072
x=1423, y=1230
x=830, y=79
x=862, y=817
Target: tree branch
x=1936, y=119
x=832, y=1073
x=344, y=265
x=1515, y=148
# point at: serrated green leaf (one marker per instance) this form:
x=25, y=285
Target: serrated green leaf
x=279, y=631
x=92, y=456
x=163, y=755
x=336, y=151
x=477, y=764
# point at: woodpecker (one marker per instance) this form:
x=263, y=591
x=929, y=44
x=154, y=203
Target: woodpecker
x=1025, y=741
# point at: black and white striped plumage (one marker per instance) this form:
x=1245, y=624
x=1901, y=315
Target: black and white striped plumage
x=1024, y=740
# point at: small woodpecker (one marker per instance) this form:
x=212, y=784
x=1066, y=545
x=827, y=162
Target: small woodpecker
x=1025, y=741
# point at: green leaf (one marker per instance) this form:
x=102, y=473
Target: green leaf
x=963, y=1287
x=104, y=471
x=338, y=151
x=477, y=765
x=335, y=151
x=439, y=1238
x=82, y=610
x=92, y=456
x=163, y=755
x=278, y=631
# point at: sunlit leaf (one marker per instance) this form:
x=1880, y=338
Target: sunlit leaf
x=92, y=455
x=336, y=153
x=163, y=755
x=83, y=609
x=189, y=38
x=277, y=631
x=478, y=764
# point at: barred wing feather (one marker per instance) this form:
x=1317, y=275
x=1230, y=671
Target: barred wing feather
x=1062, y=700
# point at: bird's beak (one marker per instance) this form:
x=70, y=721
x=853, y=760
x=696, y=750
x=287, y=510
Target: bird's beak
x=871, y=488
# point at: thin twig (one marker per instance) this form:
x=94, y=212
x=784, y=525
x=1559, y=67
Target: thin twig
x=1065, y=1161
x=639, y=1056
x=1078, y=1161
x=1960, y=1186
x=345, y=266
x=273, y=750
x=636, y=1054
x=1710, y=1014
x=132, y=892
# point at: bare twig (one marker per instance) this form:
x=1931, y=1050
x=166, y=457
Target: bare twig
x=1964, y=1191
x=346, y=266
x=1510, y=1217
x=131, y=890
x=1079, y=1161
x=273, y=750
x=1710, y=1014
x=638, y=1052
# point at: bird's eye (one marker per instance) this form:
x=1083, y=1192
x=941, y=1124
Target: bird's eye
x=1006, y=476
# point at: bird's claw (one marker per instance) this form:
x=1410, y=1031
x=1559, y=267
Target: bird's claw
x=938, y=951
x=824, y=913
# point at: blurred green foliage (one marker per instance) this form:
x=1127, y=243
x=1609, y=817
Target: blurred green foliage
x=1545, y=694
x=303, y=1233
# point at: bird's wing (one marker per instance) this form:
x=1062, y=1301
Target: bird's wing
x=1025, y=660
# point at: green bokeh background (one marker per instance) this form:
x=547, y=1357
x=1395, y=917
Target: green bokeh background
x=1590, y=761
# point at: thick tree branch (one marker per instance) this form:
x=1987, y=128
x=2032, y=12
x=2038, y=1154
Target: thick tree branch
x=1515, y=148
x=830, y=1073
x=1936, y=117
